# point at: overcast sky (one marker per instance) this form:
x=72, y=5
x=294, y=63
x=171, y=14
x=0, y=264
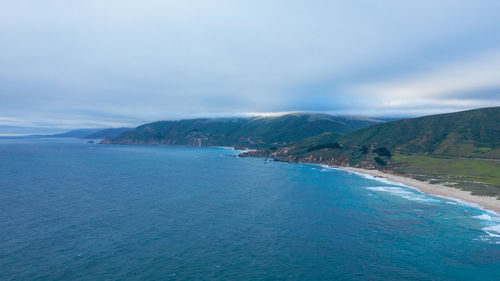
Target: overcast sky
x=69, y=64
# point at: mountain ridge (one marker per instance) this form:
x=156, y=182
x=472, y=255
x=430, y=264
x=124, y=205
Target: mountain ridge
x=251, y=132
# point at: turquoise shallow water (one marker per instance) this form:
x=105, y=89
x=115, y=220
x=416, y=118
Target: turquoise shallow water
x=76, y=211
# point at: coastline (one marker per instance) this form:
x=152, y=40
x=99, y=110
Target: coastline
x=486, y=202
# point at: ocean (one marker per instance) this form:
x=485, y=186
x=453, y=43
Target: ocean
x=70, y=210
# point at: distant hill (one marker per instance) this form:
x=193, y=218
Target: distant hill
x=107, y=133
x=256, y=132
x=92, y=133
x=472, y=133
x=80, y=133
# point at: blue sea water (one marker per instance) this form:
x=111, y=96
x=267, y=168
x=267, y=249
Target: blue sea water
x=76, y=211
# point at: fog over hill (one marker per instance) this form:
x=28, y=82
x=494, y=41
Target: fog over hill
x=253, y=132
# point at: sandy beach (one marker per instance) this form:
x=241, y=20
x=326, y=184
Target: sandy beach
x=489, y=203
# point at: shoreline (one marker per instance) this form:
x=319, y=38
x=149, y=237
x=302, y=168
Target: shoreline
x=485, y=202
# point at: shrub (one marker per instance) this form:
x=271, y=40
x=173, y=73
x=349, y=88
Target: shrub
x=334, y=145
x=383, y=151
x=380, y=161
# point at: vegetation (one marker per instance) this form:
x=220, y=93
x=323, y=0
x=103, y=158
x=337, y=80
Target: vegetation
x=326, y=145
x=480, y=176
x=473, y=133
x=382, y=151
x=460, y=149
x=257, y=132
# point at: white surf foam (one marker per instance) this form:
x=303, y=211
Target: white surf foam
x=493, y=231
x=454, y=201
x=386, y=181
x=403, y=193
x=227, y=147
x=489, y=218
x=396, y=188
x=448, y=200
x=391, y=189
x=419, y=195
x=483, y=217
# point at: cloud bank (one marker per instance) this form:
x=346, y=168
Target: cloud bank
x=121, y=63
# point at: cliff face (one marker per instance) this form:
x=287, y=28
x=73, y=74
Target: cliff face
x=283, y=154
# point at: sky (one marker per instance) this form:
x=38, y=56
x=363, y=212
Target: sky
x=68, y=64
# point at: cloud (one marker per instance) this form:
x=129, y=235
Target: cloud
x=469, y=83
x=128, y=62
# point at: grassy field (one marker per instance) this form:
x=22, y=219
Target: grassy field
x=481, y=177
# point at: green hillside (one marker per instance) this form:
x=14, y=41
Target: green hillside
x=460, y=149
x=256, y=132
x=473, y=133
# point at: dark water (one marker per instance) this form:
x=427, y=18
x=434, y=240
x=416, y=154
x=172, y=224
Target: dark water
x=76, y=211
